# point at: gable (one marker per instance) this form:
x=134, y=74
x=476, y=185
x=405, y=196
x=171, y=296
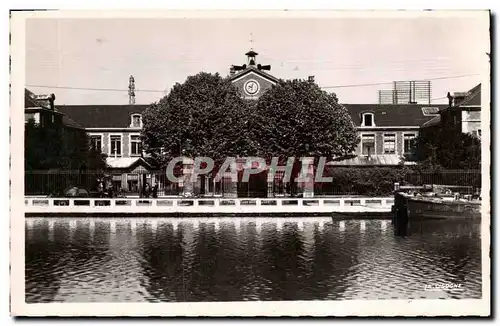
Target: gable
x=252, y=84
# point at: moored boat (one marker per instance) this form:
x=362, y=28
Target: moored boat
x=438, y=201
x=436, y=207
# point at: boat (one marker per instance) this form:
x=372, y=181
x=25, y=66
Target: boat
x=441, y=204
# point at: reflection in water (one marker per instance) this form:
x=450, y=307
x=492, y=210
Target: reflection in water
x=235, y=259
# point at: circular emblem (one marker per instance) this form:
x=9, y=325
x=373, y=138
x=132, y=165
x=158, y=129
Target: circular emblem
x=252, y=87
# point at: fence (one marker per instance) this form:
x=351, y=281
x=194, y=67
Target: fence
x=44, y=183
x=55, y=182
x=464, y=181
x=346, y=182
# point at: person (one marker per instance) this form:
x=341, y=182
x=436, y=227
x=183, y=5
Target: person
x=100, y=187
x=109, y=189
x=147, y=190
x=155, y=190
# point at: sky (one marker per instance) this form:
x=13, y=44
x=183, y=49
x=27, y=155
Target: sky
x=64, y=54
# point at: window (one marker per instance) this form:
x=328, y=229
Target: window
x=409, y=140
x=135, y=145
x=430, y=111
x=136, y=121
x=390, y=144
x=368, y=120
x=116, y=145
x=96, y=142
x=368, y=144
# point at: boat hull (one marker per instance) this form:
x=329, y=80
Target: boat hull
x=434, y=209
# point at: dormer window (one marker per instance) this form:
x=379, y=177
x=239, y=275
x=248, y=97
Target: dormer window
x=136, y=121
x=367, y=120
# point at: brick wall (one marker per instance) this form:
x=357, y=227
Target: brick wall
x=379, y=139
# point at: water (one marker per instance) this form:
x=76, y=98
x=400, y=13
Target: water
x=235, y=259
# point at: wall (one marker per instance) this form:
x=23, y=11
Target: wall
x=105, y=141
x=264, y=85
x=379, y=139
x=471, y=120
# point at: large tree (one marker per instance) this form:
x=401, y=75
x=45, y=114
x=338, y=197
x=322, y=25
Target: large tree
x=444, y=148
x=57, y=147
x=63, y=151
x=296, y=118
x=204, y=116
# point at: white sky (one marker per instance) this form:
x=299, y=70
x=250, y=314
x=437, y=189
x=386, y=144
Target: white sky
x=103, y=53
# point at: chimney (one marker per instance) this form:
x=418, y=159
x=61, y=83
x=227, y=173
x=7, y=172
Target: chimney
x=458, y=97
x=450, y=99
x=52, y=99
x=232, y=70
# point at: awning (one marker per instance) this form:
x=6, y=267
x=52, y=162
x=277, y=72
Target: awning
x=126, y=162
x=378, y=160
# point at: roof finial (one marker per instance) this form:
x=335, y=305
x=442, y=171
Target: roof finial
x=251, y=41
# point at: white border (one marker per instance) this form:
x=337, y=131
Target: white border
x=288, y=308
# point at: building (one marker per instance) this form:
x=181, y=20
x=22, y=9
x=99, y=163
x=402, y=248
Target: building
x=41, y=109
x=116, y=130
x=461, y=115
x=387, y=131
x=54, y=145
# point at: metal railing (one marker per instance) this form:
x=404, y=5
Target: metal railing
x=44, y=183
x=463, y=181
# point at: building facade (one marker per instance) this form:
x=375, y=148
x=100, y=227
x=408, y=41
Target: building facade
x=115, y=130
x=461, y=115
x=387, y=131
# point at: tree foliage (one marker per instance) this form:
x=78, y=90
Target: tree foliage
x=297, y=118
x=55, y=147
x=445, y=148
x=204, y=116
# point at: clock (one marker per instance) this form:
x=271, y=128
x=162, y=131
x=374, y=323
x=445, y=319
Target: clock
x=252, y=87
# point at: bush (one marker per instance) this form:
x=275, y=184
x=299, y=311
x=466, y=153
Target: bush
x=366, y=181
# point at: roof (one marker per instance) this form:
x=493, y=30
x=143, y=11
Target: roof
x=473, y=97
x=68, y=122
x=29, y=100
x=385, y=160
x=125, y=162
x=433, y=122
x=387, y=115
x=118, y=116
x=256, y=71
x=102, y=116
x=33, y=102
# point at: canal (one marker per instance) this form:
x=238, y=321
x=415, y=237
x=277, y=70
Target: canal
x=236, y=259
